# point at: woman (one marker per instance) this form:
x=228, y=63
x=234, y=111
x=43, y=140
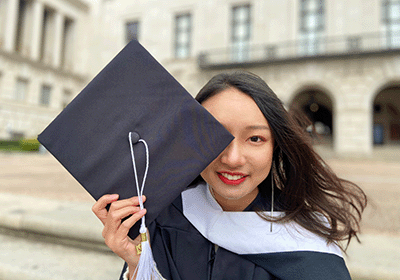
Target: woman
x=270, y=165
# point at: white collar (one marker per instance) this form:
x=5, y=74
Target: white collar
x=246, y=232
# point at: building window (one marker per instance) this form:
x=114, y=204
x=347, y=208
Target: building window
x=391, y=19
x=183, y=29
x=45, y=95
x=312, y=16
x=46, y=50
x=241, y=33
x=21, y=89
x=67, y=44
x=23, y=33
x=132, y=31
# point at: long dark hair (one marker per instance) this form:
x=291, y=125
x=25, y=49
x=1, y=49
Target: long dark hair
x=307, y=186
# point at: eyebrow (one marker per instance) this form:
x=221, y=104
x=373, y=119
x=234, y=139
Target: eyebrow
x=257, y=127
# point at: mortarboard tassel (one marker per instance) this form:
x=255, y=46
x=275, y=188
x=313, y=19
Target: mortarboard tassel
x=146, y=268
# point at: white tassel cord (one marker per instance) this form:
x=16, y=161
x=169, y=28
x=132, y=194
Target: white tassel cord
x=146, y=268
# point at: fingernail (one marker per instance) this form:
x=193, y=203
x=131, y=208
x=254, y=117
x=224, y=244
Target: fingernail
x=114, y=196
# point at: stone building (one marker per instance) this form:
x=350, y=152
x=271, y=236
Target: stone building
x=43, y=61
x=338, y=61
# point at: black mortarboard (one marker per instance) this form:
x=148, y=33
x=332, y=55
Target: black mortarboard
x=134, y=93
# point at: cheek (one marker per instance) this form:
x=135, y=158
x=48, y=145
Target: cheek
x=205, y=174
x=263, y=161
x=211, y=165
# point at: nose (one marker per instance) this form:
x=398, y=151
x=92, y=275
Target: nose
x=233, y=155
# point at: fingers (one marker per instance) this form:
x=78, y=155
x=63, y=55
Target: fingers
x=126, y=225
x=115, y=216
x=126, y=202
x=117, y=221
x=100, y=210
x=119, y=210
x=115, y=232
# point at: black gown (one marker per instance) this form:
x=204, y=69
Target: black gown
x=182, y=253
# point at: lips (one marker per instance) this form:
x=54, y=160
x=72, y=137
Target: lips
x=230, y=178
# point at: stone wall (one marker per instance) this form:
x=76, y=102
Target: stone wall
x=43, y=61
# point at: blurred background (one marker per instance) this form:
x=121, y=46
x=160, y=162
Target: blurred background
x=336, y=62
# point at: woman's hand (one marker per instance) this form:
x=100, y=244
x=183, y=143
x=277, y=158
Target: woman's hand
x=115, y=231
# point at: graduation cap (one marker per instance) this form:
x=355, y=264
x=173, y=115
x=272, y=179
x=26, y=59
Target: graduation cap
x=135, y=94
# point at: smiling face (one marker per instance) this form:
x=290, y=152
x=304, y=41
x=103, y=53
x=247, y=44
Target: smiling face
x=235, y=174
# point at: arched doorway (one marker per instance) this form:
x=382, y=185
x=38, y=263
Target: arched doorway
x=386, y=117
x=316, y=108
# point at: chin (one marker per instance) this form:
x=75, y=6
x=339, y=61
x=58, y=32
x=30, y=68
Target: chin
x=231, y=196
x=234, y=197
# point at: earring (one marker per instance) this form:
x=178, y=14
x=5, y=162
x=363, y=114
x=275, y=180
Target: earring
x=272, y=197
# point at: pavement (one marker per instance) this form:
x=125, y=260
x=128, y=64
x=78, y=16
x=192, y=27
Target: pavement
x=47, y=229
x=51, y=239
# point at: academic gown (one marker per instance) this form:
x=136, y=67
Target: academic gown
x=183, y=253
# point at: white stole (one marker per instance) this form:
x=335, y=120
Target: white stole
x=246, y=232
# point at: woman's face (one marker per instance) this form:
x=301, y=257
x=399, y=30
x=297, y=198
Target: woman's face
x=235, y=174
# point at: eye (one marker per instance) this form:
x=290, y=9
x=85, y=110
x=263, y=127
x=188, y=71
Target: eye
x=257, y=139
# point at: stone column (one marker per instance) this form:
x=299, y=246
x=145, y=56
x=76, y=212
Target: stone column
x=11, y=25
x=58, y=39
x=353, y=132
x=37, y=26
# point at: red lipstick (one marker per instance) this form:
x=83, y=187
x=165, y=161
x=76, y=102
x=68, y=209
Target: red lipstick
x=230, y=181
